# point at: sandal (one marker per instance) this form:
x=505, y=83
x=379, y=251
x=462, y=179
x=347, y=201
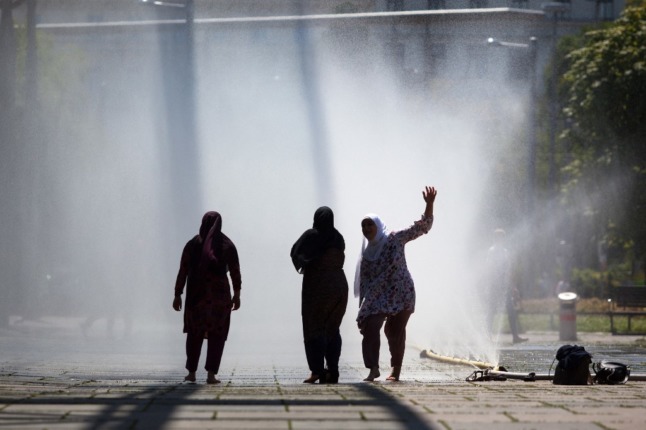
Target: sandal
x=312, y=379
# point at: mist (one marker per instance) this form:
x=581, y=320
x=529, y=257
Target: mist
x=287, y=117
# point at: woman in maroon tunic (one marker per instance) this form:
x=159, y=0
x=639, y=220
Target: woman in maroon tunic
x=206, y=259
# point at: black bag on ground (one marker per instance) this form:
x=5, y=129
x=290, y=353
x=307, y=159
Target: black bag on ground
x=610, y=372
x=573, y=367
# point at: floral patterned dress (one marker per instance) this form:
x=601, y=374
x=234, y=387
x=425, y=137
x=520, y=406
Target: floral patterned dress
x=386, y=284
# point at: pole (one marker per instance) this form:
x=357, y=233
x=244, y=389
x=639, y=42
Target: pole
x=179, y=144
x=553, y=105
x=531, y=129
x=11, y=260
x=190, y=17
x=532, y=49
x=31, y=68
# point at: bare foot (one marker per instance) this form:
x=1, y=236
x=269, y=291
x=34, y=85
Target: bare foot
x=190, y=377
x=374, y=374
x=211, y=379
x=394, y=375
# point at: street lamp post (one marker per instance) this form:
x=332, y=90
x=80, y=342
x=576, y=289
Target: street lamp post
x=531, y=129
x=531, y=48
x=176, y=43
x=556, y=9
x=8, y=55
x=20, y=138
x=530, y=198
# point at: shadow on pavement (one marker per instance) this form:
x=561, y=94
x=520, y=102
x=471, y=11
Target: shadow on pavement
x=382, y=398
x=155, y=406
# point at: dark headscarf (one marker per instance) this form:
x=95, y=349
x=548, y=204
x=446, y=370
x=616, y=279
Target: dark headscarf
x=214, y=242
x=315, y=241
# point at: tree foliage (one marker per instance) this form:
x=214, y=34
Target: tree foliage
x=604, y=97
x=607, y=82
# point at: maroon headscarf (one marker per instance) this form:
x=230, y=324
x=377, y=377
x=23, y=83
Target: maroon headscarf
x=214, y=242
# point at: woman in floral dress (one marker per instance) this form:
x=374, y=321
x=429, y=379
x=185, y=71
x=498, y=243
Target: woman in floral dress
x=385, y=287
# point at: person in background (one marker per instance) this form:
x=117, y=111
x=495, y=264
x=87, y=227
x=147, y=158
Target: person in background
x=501, y=287
x=319, y=255
x=206, y=259
x=385, y=287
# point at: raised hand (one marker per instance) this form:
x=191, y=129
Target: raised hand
x=429, y=194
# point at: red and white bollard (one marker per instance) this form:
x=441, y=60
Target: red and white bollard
x=567, y=316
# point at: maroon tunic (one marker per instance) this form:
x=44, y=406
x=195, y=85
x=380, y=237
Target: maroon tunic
x=206, y=259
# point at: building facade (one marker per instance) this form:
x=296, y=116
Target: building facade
x=60, y=11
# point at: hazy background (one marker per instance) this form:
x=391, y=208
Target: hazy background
x=286, y=118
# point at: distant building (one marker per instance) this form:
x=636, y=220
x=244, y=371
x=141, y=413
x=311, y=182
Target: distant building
x=50, y=11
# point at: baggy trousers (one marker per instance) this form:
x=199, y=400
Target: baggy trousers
x=322, y=348
x=215, y=348
x=395, y=331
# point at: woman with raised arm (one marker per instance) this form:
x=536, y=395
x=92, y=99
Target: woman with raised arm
x=385, y=287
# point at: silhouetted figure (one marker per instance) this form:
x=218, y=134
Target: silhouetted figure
x=501, y=287
x=385, y=287
x=319, y=255
x=206, y=259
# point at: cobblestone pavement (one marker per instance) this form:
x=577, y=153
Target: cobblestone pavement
x=125, y=385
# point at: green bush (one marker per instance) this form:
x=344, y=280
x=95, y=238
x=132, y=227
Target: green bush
x=589, y=283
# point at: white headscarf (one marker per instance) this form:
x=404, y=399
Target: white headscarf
x=370, y=250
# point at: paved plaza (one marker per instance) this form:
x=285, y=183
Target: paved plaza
x=61, y=381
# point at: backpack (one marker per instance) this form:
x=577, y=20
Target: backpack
x=610, y=372
x=573, y=367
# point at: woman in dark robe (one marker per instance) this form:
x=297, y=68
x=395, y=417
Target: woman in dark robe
x=206, y=259
x=319, y=255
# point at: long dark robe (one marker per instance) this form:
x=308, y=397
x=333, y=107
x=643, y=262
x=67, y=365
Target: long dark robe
x=206, y=259
x=319, y=255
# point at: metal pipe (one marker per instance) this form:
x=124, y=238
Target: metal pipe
x=529, y=377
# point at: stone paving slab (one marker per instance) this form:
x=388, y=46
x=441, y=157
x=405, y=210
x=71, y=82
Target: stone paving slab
x=45, y=387
x=405, y=405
